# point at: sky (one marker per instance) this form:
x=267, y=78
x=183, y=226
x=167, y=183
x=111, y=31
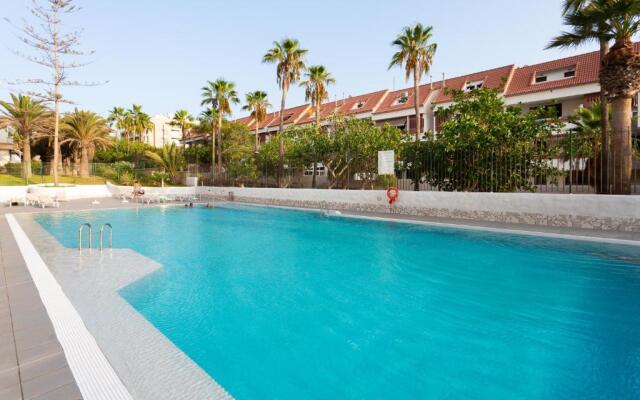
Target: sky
x=159, y=53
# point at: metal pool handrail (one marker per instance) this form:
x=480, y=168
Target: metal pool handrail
x=80, y=235
x=110, y=234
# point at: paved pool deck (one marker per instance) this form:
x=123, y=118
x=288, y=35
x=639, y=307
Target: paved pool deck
x=32, y=362
x=33, y=365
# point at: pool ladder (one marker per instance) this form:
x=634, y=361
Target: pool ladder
x=86, y=224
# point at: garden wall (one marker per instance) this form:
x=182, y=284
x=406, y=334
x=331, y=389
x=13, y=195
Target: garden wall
x=611, y=213
x=71, y=192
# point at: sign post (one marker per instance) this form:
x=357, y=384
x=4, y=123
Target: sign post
x=386, y=162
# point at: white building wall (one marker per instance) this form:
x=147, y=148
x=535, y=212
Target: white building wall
x=164, y=133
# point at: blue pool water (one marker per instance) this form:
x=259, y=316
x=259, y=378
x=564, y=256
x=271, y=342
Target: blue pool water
x=280, y=304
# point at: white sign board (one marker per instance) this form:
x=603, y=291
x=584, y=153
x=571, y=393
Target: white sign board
x=386, y=162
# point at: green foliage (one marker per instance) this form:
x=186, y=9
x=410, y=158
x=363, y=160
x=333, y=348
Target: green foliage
x=238, y=152
x=170, y=159
x=122, y=150
x=198, y=154
x=487, y=146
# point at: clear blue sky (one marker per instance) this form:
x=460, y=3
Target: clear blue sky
x=159, y=53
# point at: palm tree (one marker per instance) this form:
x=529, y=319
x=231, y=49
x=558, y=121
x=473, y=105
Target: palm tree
x=29, y=118
x=183, y=119
x=602, y=181
x=137, y=122
x=289, y=60
x=258, y=104
x=315, y=84
x=116, y=119
x=606, y=20
x=415, y=53
x=85, y=131
x=171, y=160
x=219, y=95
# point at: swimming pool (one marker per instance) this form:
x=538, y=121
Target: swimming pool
x=287, y=304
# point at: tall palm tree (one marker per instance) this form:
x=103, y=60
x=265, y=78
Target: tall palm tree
x=258, y=104
x=219, y=95
x=617, y=20
x=316, y=83
x=573, y=6
x=116, y=119
x=29, y=118
x=415, y=52
x=183, y=119
x=317, y=79
x=85, y=131
x=138, y=122
x=289, y=59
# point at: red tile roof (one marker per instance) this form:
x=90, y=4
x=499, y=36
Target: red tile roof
x=248, y=121
x=587, y=69
x=493, y=79
x=291, y=116
x=390, y=101
x=326, y=110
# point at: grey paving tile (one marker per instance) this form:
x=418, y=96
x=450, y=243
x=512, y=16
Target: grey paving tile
x=42, y=350
x=42, y=366
x=7, y=354
x=12, y=393
x=29, y=338
x=66, y=392
x=23, y=314
x=9, y=377
x=35, y=319
x=46, y=383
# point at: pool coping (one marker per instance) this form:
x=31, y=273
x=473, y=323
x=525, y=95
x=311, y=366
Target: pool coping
x=94, y=375
x=482, y=225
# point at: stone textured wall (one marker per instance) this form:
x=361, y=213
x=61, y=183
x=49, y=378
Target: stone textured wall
x=611, y=213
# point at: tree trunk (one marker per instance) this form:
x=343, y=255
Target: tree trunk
x=213, y=151
x=257, y=139
x=84, y=163
x=622, y=151
x=219, y=142
x=56, y=99
x=285, y=88
x=602, y=176
x=416, y=96
x=26, y=156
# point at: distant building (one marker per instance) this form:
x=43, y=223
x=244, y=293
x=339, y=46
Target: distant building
x=163, y=132
x=8, y=150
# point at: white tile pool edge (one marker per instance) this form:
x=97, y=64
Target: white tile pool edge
x=94, y=376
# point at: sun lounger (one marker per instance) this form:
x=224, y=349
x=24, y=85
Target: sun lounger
x=46, y=201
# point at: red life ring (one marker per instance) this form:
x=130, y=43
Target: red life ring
x=392, y=194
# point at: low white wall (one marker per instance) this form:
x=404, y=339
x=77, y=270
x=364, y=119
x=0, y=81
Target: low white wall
x=570, y=210
x=538, y=203
x=71, y=192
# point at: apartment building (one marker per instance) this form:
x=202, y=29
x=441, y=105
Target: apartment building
x=563, y=85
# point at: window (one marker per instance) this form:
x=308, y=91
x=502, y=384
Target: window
x=541, y=78
x=469, y=86
x=359, y=104
x=402, y=99
x=555, y=75
x=286, y=117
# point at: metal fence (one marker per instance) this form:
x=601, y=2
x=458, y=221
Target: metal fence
x=494, y=169
x=486, y=170
x=98, y=173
